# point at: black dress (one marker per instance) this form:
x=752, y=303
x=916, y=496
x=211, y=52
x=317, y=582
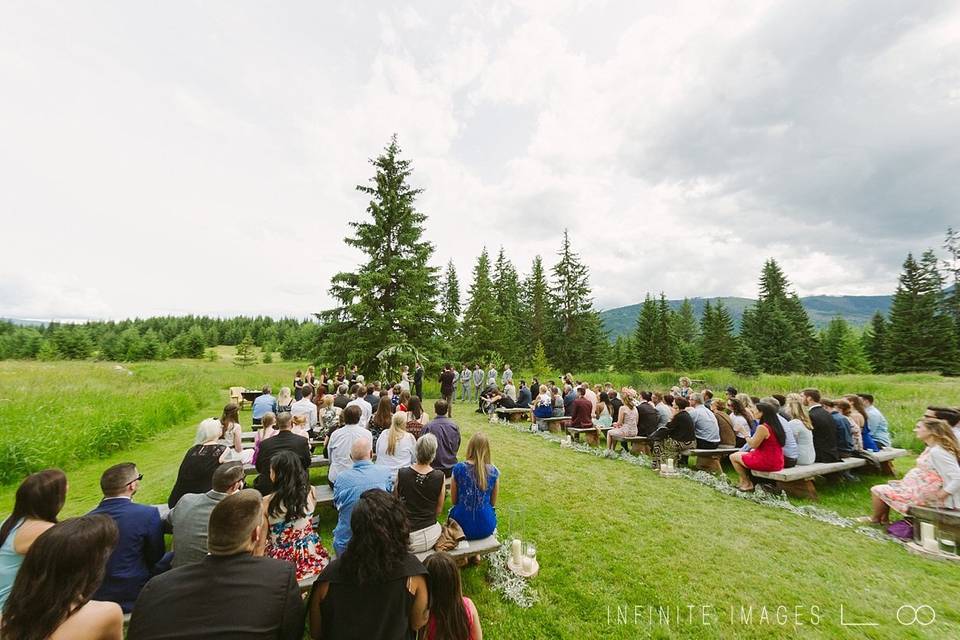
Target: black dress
x=420, y=493
x=196, y=471
x=372, y=611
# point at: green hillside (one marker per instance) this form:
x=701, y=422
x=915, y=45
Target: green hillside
x=857, y=310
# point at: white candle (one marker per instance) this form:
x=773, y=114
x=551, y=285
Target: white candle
x=927, y=537
x=670, y=464
x=515, y=551
x=527, y=564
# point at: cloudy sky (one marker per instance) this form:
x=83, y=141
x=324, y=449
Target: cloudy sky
x=201, y=157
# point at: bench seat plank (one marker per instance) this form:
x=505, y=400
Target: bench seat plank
x=798, y=481
x=883, y=460
x=481, y=547
x=315, y=463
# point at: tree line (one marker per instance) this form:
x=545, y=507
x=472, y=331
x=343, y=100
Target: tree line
x=396, y=307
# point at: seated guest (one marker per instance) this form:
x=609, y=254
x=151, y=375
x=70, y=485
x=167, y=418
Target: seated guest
x=288, y=512
x=543, y=408
x=626, y=424
x=199, y=463
x=569, y=395
x=824, y=428
x=948, y=415
x=284, y=401
x=663, y=403
x=189, y=518
x=448, y=438
x=728, y=437
x=842, y=425
x=934, y=482
x=601, y=415
x=473, y=490
x=396, y=448
x=859, y=415
x=452, y=615
x=647, y=415
x=351, y=484
x=742, y=421
x=342, y=399
x=877, y=424
x=327, y=418
x=305, y=406
x=404, y=401
x=731, y=392
x=854, y=421
x=558, y=402
x=799, y=423
x=766, y=448
x=298, y=426
x=707, y=396
x=284, y=440
x=420, y=488
x=140, y=544
x=264, y=402
x=230, y=593
x=39, y=499
x=510, y=390
x=677, y=436
x=375, y=589
x=581, y=413
x=615, y=403
x=706, y=428
x=372, y=397
x=381, y=419
x=790, y=449
x=365, y=407
x=53, y=595
x=230, y=429
x=341, y=442
x=416, y=416
x=524, y=397
x=268, y=429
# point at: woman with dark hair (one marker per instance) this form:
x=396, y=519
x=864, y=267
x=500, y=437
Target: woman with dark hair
x=766, y=447
x=677, y=436
x=453, y=616
x=51, y=595
x=39, y=499
x=287, y=512
x=381, y=419
x=376, y=590
x=741, y=421
x=416, y=416
x=230, y=425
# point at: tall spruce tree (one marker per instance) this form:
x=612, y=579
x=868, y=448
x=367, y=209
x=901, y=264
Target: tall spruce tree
x=851, y=358
x=506, y=290
x=580, y=340
x=921, y=335
x=536, y=300
x=390, y=300
x=666, y=335
x=718, y=344
x=480, y=330
x=450, y=302
x=831, y=339
x=685, y=329
x=874, y=341
x=645, y=348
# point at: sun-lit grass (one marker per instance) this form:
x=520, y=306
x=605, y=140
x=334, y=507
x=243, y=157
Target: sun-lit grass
x=609, y=534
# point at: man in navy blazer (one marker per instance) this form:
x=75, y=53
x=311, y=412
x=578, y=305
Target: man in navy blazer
x=140, y=546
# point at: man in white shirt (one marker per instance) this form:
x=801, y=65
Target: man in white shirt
x=705, y=425
x=305, y=407
x=366, y=411
x=342, y=439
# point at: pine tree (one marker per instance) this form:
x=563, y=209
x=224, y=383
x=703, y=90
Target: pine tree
x=577, y=326
x=687, y=334
x=851, y=357
x=921, y=334
x=390, y=299
x=645, y=348
x=669, y=352
x=506, y=289
x=536, y=298
x=480, y=330
x=745, y=361
x=245, y=356
x=718, y=343
x=539, y=364
x=874, y=341
x=450, y=302
x=952, y=266
x=831, y=339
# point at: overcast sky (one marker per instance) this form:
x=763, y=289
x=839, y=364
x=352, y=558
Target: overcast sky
x=201, y=157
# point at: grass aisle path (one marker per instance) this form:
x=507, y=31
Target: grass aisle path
x=611, y=534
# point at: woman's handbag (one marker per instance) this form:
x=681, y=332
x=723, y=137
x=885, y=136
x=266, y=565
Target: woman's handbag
x=451, y=534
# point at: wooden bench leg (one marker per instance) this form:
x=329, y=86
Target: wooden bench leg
x=799, y=488
x=554, y=427
x=710, y=464
x=637, y=448
x=886, y=468
x=592, y=438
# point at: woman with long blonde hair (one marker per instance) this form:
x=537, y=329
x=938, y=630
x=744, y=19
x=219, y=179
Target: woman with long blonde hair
x=474, y=486
x=934, y=482
x=396, y=447
x=802, y=429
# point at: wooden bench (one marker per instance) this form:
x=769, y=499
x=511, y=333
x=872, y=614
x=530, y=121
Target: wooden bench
x=709, y=459
x=514, y=415
x=555, y=424
x=249, y=444
x=315, y=463
x=882, y=460
x=638, y=444
x=590, y=434
x=324, y=494
x=798, y=481
x=944, y=519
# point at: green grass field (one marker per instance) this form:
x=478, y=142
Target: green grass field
x=613, y=539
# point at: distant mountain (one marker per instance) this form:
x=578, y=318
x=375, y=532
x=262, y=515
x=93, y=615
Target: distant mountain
x=857, y=310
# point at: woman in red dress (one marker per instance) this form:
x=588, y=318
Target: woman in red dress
x=766, y=448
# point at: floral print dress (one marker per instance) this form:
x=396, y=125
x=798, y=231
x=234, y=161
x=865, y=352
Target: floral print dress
x=918, y=488
x=296, y=541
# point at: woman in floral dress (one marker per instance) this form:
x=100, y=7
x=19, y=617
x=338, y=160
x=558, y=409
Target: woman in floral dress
x=288, y=512
x=934, y=482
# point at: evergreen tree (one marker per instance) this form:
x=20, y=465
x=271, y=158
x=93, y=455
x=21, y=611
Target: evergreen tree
x=718, y=342
x=391, y=298
x=536, y=297
x=506, y=290
x=481, y=322
x=245, y=356
x=685, y=328
x=450, y=302
x=874, y=341
x=539, y=364
x=668, y=352
x=851, y=357
x=831, y=339
x=645, y=348
x=745, y=361
x=952, y=267
x=921, y=334
x=580, y=340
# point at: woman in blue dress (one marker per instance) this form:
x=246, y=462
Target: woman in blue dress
x=474, y=487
